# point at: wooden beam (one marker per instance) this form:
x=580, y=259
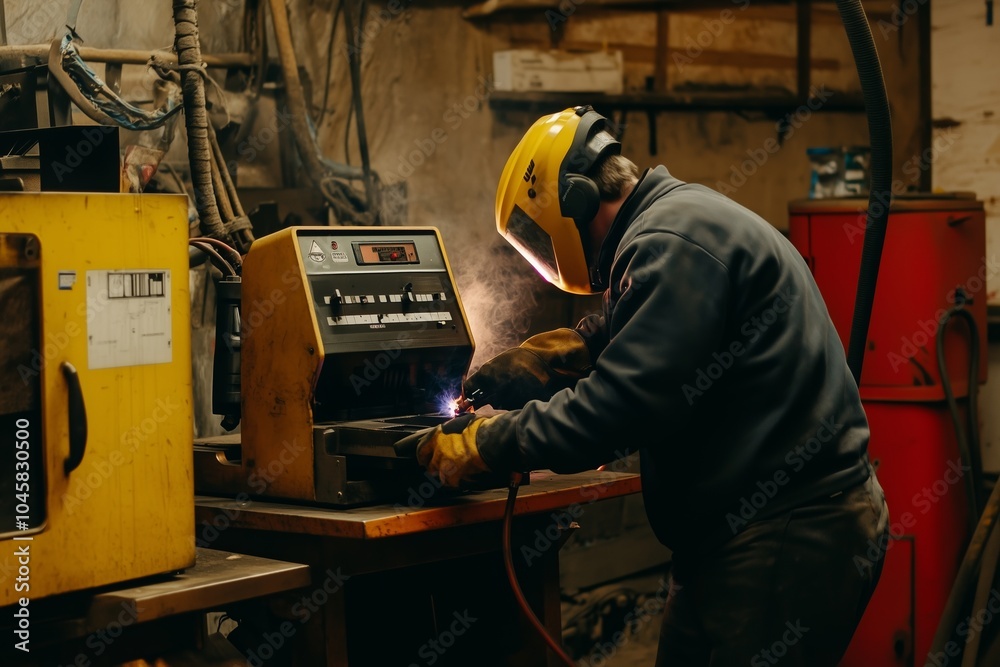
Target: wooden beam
x=803, y=52
x=496, y=6
x=776, y=10
x=775, y=101
x=662, y=52
x=708, y=57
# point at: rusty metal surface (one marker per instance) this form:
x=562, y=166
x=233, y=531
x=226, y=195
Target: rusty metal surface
x=546, y=492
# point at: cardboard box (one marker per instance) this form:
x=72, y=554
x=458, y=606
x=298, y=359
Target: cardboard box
x=558, y=71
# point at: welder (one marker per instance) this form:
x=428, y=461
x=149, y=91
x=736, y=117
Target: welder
x=716, y=360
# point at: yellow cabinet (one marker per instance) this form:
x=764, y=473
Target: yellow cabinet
x=96, y=482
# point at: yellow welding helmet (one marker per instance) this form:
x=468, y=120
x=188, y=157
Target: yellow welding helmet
x=545, y=201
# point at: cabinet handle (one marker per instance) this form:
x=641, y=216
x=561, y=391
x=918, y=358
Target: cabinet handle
x=77, y=419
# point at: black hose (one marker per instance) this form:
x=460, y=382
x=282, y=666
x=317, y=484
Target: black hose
x=880, y=136
x=188, y=46
x=968, y=447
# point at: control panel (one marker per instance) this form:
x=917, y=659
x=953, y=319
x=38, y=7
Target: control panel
x=362, y=322
x=380, y=285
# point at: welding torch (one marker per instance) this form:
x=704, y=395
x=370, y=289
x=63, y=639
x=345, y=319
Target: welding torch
x=469, y=403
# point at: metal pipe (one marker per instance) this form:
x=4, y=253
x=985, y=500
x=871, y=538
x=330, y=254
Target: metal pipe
x=3, y=24
x=40, y=52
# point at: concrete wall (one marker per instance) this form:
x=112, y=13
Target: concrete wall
x=966, y=109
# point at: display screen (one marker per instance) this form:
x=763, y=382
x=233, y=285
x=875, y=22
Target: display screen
x=393, y=252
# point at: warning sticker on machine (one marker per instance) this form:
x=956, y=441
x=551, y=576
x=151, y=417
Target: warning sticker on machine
x=128, y=318
x=316, y=253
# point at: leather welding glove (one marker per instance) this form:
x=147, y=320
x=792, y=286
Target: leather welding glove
x=454, y=451
x=536, y=369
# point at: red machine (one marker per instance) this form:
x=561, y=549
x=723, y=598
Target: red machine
x=933, y=259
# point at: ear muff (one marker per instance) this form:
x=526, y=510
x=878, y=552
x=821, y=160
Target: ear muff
x=581, y=198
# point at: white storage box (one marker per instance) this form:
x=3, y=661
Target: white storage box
x=558, y=71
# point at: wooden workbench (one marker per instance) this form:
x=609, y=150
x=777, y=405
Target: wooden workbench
x=153, y=618
x=391, y=581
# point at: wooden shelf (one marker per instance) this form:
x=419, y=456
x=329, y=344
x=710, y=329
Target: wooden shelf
x=779, y=102
x=493, y=7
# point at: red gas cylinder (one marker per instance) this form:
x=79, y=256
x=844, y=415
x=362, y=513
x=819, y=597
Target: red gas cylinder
x=933, y=256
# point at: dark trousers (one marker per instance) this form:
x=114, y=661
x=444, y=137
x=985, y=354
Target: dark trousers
x=787, y=591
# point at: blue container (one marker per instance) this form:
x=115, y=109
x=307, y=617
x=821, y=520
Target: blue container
x=838, y=171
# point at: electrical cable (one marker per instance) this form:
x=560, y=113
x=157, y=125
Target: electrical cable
x=227, y=179
x=94, y=97
x=508, y=560
x=354, y=62
x=318, y=169
x=220, y=262
x=967, y=446
x=238, y=226
x=329, y=65
x=255, y=42
x=347, y=133
x=304, y=136
x=222, y=246
x=196, y=257
x=221, y=194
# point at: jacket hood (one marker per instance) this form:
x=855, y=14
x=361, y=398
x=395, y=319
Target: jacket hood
x=653, y=184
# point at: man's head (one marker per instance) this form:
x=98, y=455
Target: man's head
x=558, y=195
x=615, y=176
